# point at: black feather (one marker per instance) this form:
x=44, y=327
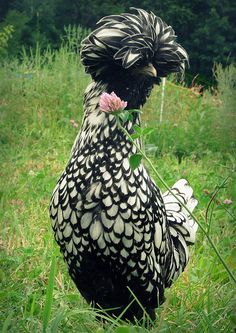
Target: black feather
x=123, y=40
x=116, y=231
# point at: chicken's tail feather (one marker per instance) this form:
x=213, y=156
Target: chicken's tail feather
x=177, y=215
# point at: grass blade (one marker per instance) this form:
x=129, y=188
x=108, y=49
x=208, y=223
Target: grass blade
x=56, y=321
x=7, y=323
x=49, y=294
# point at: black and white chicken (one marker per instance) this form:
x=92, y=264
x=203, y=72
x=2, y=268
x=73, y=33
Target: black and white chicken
x=118, y=234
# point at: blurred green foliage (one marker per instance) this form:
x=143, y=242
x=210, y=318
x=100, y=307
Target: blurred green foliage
x=195, y=123
x=5, y=36
x=205, y=28
x=226, y=112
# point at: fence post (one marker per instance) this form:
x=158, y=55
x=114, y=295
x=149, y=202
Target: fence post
x=162, y=98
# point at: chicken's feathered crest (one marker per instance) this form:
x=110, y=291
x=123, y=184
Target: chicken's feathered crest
x=128, y=40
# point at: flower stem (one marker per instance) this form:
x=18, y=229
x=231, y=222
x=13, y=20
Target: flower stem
x=176, y=197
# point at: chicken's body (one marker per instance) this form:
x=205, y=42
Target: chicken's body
x=115, y=232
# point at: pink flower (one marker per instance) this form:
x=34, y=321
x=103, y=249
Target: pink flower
x=227, y=201
x=74, y=123
x=111, y=103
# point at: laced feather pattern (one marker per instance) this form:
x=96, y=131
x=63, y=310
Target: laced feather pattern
x=116, y=231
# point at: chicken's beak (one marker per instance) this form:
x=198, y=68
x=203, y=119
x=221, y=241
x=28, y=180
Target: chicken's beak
x=148, y=70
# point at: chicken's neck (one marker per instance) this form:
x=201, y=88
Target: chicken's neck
x=99, y=128
x=131, y=89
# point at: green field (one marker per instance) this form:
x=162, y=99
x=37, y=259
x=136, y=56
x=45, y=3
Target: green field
x=196, y=140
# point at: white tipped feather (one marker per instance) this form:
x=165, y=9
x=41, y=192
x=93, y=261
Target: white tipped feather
x=115, y=42
x=180, y=219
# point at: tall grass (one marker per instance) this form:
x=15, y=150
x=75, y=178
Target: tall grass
x=225, y=123
x=73, y=37
x=194, y=123
x=39, y=95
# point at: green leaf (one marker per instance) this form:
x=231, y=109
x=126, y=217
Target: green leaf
x=137, y=129
x=130, y=117
x=147, y=130
x=120, y=115
x=123, y=329
x=135, y=161
x=135, y=136
x=125, y=116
